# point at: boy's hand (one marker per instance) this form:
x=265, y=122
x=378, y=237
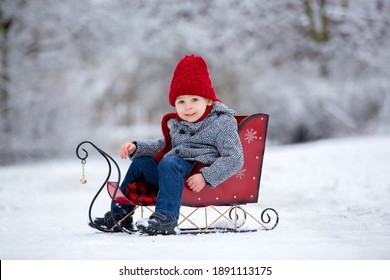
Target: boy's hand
x=196, y=182
x=127, y=149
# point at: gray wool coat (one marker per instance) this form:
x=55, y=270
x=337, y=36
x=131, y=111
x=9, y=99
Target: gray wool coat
x=214, y=141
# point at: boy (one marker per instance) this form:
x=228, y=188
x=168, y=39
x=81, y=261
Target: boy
x=203, y=130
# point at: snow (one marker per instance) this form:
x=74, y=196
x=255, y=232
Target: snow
x=332, y=197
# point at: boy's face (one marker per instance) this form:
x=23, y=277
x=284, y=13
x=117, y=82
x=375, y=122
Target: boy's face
x=191, y=107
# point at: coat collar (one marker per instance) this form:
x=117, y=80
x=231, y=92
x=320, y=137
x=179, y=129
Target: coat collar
x=165, y=130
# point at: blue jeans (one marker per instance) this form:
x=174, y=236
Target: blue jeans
x=168, y=177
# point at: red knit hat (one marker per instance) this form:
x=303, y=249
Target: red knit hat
x=191, y=77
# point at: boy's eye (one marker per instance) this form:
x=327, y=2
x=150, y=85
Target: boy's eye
x=194, y=99
x=180, y=102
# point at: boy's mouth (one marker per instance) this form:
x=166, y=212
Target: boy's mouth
x=190, y=115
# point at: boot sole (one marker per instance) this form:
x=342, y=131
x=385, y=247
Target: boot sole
x=150, y=231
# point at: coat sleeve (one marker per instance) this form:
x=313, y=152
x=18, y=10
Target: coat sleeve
x=231, y=157
x=147, y=148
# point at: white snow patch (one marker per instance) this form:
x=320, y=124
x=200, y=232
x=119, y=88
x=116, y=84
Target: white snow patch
x=332, y=197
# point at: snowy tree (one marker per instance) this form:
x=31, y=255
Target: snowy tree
x=100, y=69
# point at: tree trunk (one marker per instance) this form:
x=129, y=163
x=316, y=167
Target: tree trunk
x=5, y=125
x=320, y=34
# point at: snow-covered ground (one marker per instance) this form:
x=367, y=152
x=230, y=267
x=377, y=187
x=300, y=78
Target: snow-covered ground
x=332, y=197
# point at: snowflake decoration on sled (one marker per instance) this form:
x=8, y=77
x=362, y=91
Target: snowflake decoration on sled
x=250, y=135
x=241, y=174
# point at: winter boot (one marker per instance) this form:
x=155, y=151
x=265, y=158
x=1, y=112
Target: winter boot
x=107, y=223
x=158, y=223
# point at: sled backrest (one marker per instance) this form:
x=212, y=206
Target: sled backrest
x=243, y=187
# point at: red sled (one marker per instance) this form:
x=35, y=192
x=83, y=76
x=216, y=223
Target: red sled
x=225, y=201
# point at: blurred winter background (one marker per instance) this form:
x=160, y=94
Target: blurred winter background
x=100, y=70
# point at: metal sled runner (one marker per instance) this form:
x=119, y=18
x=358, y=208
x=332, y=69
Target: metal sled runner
x=223, y=206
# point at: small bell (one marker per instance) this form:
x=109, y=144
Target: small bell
x=83, y=180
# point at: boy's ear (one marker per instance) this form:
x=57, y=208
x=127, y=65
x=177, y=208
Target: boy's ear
x=210, y=102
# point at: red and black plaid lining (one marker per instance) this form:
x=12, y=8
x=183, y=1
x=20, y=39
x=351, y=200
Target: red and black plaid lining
x=140, y=193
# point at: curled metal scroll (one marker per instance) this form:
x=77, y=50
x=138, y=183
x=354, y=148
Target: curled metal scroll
x=266, y=218
x=236, y=218
x=108, y=159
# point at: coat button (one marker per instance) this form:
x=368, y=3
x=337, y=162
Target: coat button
x=177, y=151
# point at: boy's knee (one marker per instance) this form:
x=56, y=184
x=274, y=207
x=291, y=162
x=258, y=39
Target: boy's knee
x=169, y=161
x=173, y=163
x=142, y=161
